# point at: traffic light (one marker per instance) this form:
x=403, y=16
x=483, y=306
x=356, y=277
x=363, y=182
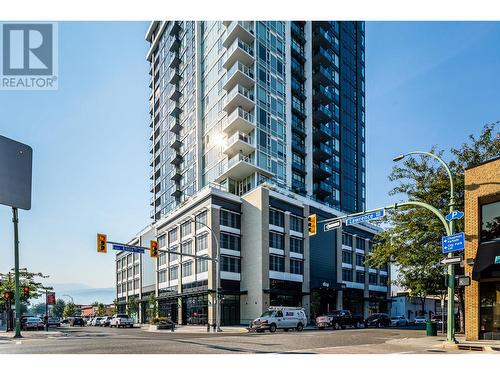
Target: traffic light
x=153, y=249
x=312, y=224
x=101, y=243
x=26, y=292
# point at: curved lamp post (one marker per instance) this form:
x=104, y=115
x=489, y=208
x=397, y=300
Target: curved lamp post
x=449, y=231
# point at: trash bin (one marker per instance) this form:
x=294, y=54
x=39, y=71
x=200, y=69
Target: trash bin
x=431, y=329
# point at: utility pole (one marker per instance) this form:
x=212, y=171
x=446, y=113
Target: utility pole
x=17, y=298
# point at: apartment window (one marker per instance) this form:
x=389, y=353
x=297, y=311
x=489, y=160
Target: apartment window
x=136, y=284
x=230, y=219
x=296, y=224
x=173, y=273
x=162, y=276
x=296, y=245
x=202, y=242
x=372, y=278
x=161, y=241
x=136, y=257
x=296, y=266
x=276, y=263
x=201, y=265
x=129, y=259
x=360, y=243
x=346, y=275
x=277, y=240
x=129, y=272
x=347, y=257
x=230, y=264
x=360, y=277
x=162, y=258
x=201, y=219
x=172, y=236
x=360, y=260
x=187, y=269
x=119, y=289
x=346, y=239
x=187, y=247
x=229, y=241
x=490, y=222
x=383, y=280
x=136, y=270
x=276, y=218
x=173, y=256
x=129, y=285
x=185, y=229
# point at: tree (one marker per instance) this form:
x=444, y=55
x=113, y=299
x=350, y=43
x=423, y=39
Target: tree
x=152, y=309
x=101, y=309
x=115, y=306
x=132, y=306
x=412, y=236
x=69, y=310
x=58, y=308
x=26, y=279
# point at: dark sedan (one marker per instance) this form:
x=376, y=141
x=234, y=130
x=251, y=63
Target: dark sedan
x=378, y=320
x=76, y=321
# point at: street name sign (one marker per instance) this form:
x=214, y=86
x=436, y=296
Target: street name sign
x=130, y=249
x=463, y=281
x=453, y=260
x=333, y=225
x=454, y=215
x=455, y=242
x=367, y=217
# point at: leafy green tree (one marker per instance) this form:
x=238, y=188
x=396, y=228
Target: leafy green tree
x=38, y=309
x=152, y=309
x=69, y=310
x=58, y=308
x=115, y=306
x=101, y=310
x=132, y=306
x=412, y=236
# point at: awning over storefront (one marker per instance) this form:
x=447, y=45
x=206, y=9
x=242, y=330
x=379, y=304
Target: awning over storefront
x=487, y=262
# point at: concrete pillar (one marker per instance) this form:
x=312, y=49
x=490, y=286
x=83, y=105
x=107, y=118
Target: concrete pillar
x=366, y=291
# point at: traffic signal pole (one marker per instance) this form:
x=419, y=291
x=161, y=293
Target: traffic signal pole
x=17, y=298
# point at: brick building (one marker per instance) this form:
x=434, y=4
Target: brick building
x=482, y=250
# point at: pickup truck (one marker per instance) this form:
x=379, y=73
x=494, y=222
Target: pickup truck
x=121, y=320
x=339, y=319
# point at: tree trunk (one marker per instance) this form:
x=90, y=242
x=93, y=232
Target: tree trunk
x=422, y=305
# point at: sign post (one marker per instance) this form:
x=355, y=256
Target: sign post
x=454, y=242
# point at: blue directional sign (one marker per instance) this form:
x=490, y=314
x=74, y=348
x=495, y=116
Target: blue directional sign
x=367, y=217
x=130, y=249
x=455, y=242
x=454, y=215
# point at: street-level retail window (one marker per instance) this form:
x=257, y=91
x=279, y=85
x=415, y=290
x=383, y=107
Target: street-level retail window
x=489, y=324
x=490, y=221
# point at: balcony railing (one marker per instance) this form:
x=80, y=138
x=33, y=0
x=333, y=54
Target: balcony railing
x=239, y=119
x=239, y=96
x=239, y=29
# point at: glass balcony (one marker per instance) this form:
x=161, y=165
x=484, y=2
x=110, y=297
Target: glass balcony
x=322, y=75
x=176, y=159
x=298, y=127
x=323, y=37
x=174, y=76
x=177, y=191
x=322, y=170
x=176, y=111
x=322, y=151
x=322, y=56
x=239, y=74
x=322, y=189
x=322, y=132
x=176, y=126
x=298, y=32
x=176, y=27
x=174, y=61
x=299, y=186
x=175, y=43
x=322, y=113
x=239, y=51
x=241, y=120
x=243, y=30
x=239, y=96
x=175, y=143
x=299, y=167
x=239, y=167
x=298, y=147
x=174, y=93
x=239, y=143
x=176, y=175
x=322, y=95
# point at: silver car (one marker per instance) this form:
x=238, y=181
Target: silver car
x=399, y=321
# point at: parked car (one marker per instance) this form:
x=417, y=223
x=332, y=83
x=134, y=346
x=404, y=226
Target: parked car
x=105, y=321
x=340, y=319
x=379, y=320
x=54, y=321
x=121, y=320
x=65, y=321
x=420, y=319
x=33, y=323
x=97, y=321
x=76, y=321
x=399, y=321
x=281, y=317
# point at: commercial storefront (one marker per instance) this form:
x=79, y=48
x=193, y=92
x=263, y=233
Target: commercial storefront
x=482, y=252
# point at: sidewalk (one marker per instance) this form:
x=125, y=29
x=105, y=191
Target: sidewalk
x=8, y=336
x=198, y=329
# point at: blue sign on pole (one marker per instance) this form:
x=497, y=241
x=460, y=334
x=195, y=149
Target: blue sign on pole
x=367, y=217
x=454, y=215
x=455, y=242
x=130, y=249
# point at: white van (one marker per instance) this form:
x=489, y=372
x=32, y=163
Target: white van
x=280, y=317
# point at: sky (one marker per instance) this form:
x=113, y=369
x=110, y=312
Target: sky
x=426, y=84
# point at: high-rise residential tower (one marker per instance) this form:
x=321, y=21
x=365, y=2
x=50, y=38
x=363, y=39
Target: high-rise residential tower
x=254, y=126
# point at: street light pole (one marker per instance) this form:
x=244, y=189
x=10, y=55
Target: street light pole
x=17, y=298
x=451, y=268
